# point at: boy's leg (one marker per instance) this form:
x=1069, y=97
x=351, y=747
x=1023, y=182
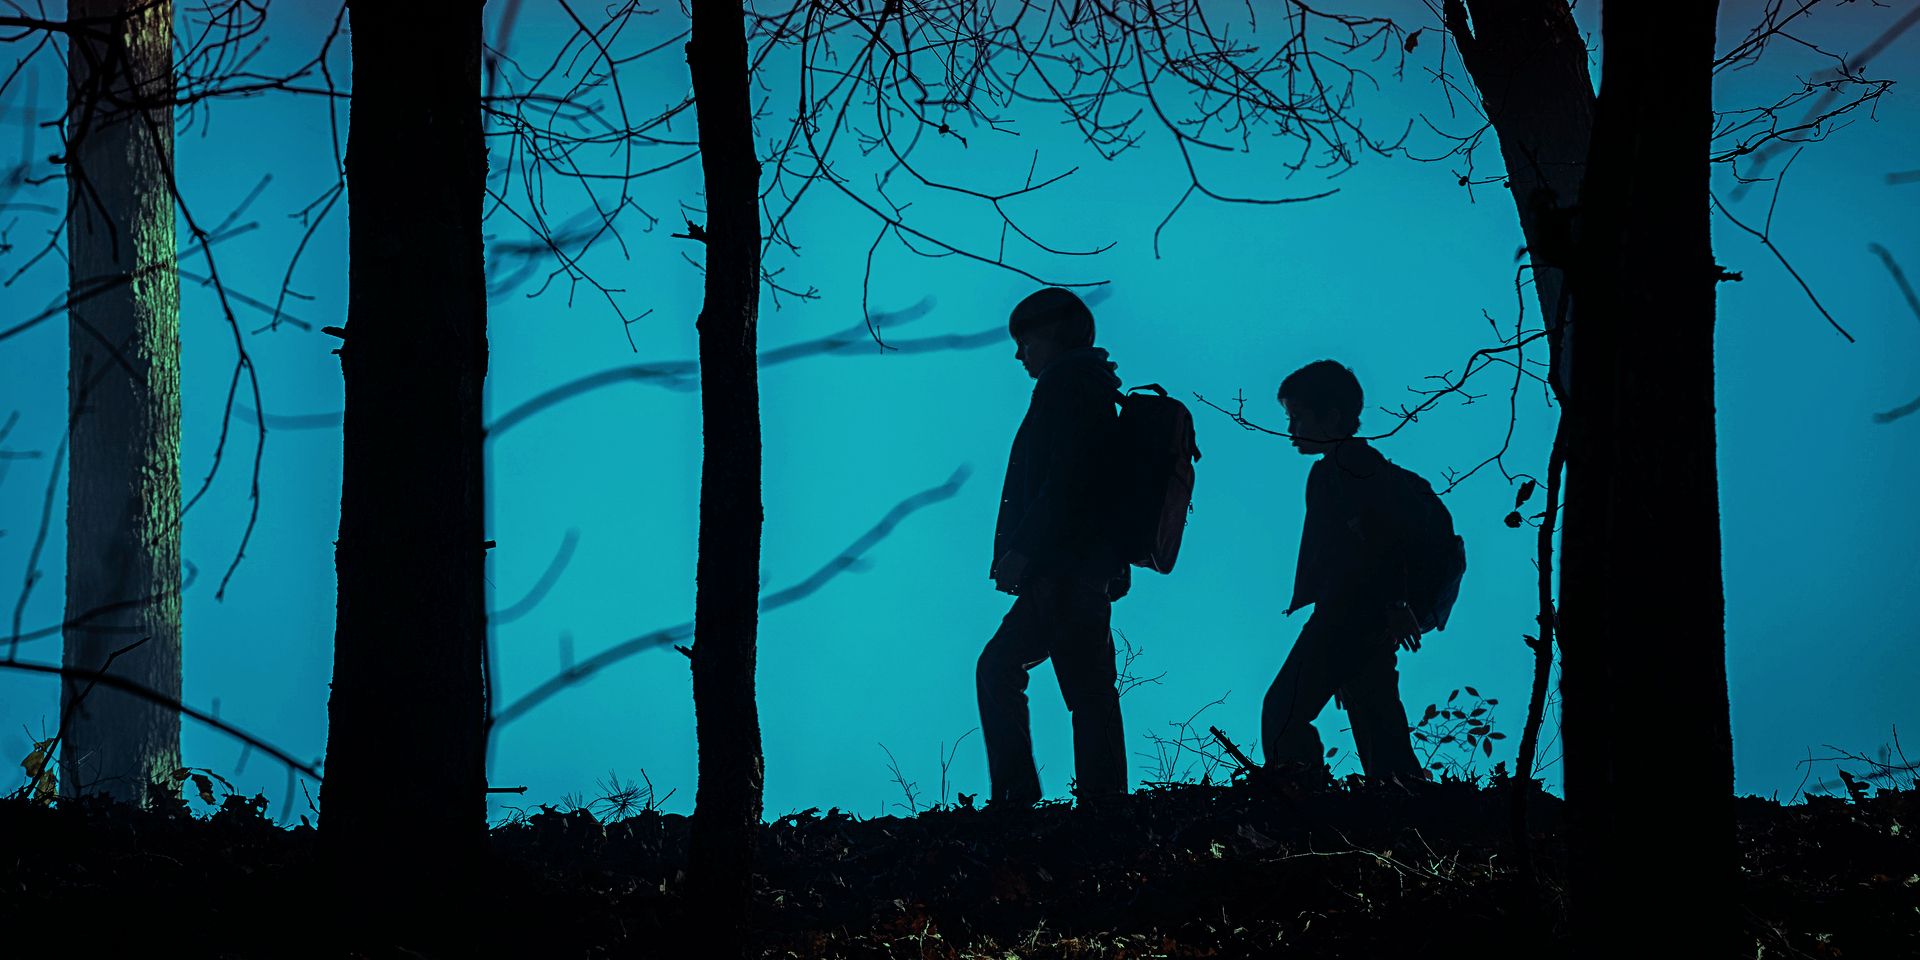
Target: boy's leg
x=1000, y=680
x=1306, y=682
x=1380, y=735
x=1083, y=661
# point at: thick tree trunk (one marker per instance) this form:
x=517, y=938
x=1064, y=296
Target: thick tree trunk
x=1649, y=771
x=404, y=803
x=726, y=609
x=123, y=492
x=1529, y=63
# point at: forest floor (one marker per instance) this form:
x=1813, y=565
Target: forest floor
x=1354, y=870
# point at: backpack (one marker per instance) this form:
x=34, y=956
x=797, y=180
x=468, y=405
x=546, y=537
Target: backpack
x=1436, y=556
x=1155, y=458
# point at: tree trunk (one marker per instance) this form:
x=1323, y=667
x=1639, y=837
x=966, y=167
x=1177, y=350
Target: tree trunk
x=1649, y=770
x=123, y=491
x=727, y=808
x=403, y=805
x=1529, y=63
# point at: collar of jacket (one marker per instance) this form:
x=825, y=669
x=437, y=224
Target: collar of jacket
x=1075, y=358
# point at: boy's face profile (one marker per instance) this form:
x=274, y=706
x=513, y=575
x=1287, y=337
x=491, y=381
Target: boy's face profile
x=1035, y=349
x=1311, y=430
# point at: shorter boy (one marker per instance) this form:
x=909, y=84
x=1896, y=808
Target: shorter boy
x=1351, y=571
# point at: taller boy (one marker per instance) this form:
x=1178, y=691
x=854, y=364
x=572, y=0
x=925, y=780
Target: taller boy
x=1054, y=550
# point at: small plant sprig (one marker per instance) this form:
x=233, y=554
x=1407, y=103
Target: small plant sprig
x=210, y=788
x=619, y=799
x=1190, y=754
x=42, y=784
x=1453, y=737
x=910, y=789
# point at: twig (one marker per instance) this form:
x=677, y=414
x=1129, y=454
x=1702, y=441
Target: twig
x=155, y=697
x=1233, y=751
x=1766, y=240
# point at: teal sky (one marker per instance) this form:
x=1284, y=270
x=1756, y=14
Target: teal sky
x=1396, y=275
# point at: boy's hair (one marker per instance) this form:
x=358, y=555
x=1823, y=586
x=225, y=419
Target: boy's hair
x=1325, y=386
x=1058, y=313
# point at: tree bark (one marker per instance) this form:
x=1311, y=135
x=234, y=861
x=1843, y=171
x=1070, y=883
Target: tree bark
x=403, y=805
x=1528, y=61
x=123, y=382
x=1649, y=770
x=727, y=807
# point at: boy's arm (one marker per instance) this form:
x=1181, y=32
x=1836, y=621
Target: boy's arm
x=1382, y=508
x=1312, y=543
x=1079, y=426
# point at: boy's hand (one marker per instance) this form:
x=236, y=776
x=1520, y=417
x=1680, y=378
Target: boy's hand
x=1403, y=630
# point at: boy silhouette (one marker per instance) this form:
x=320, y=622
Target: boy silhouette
x=1350, y=557
x=1053, y=549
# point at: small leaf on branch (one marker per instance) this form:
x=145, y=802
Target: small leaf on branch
x=1525, y=494
x=1514, y=520
x=1413, y=40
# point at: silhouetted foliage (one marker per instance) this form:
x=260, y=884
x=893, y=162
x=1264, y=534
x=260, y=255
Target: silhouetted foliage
x=1185, y=871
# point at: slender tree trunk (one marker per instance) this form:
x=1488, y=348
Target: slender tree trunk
x=1548, y=621
x=123, y=492
x=726, y=609
x=1529, y=63
x=1649, y=771
x=403, y=804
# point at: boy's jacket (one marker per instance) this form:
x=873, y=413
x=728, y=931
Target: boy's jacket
x=1055, y=505
x=1350, y=543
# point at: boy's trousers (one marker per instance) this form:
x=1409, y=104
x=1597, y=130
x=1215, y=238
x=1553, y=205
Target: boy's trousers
x=1347, y=654
x=1066, y=620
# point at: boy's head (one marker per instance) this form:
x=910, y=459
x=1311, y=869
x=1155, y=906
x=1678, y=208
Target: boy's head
x=1048, y=324
x=1323, y=401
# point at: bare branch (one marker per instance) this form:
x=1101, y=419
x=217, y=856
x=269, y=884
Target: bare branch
x=668, y=636
x=122, y=684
